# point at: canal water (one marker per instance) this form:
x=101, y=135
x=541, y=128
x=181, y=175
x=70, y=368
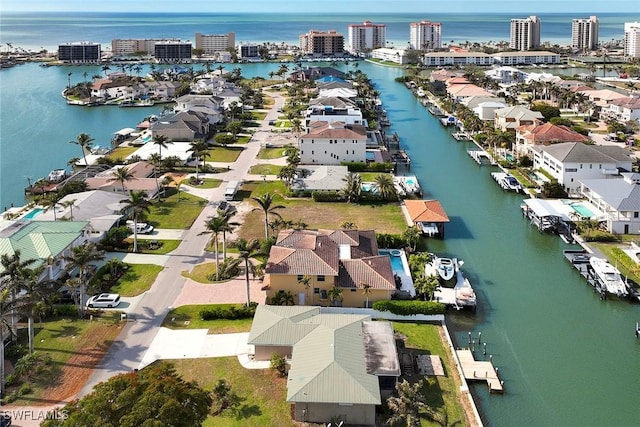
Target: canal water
x=566, y=357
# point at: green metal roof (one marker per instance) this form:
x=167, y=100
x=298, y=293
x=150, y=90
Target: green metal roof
x=277, y=325
x=39, y=239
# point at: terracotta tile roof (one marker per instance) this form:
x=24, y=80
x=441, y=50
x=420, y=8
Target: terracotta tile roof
x=549, y=133
x=375, y=271
x=631, y=102
x=426, y=211
x=338, y=130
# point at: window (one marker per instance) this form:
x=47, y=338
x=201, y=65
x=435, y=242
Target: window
x=353, y=289
x=316, y=291
x=635, y=214
x=320, y=279
x=323, y=294
x=300, y=277
x=590, y=165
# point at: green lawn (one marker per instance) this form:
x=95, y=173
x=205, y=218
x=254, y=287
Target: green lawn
x=369, y=176
x=606, y=249
x=258, y=115
x=384, y=218
x=190, y=314
x=265, y=169
x=243, y=139
x=166, y=246
x=121, y=153
x=283, y=124
x=223, y=154
x=271, y=153
x=137, y=279
x=207, y=183
x=174, y=213
x=262, y=392
x=200, y=272
x=444, y=394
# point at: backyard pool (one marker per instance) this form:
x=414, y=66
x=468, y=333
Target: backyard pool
x=582, y=210
x=400, y=268
x=369, y=187
x=34, y=213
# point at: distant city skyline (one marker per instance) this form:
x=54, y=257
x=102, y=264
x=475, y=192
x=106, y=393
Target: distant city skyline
x=574, y=7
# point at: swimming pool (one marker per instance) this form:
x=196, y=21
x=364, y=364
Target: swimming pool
x=370, y=155
x=369, y=187
x=34, y=213
x=582, y=210
x=396, y=260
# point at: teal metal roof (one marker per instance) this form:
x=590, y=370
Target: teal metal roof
x=39, y=240
x=277, y=325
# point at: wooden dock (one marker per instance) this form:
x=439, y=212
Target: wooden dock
x=478, y=370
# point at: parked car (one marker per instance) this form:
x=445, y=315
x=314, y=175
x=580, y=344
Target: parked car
x=143, y=227
x=104, y=301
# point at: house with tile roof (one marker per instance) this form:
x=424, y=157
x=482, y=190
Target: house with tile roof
x=573, y=162
x=48, y=242
x=340, y=364
x=623, y=109
x=619, y=199
x=428, y=215
x=346, y=259
x=209, y=105
x=331, y=143
x=528, y=136
x=142, y=180
x=510, y=118
x=182, y=126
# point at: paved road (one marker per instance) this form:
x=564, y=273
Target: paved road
x=145, y=317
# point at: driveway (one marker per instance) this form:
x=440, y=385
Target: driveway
x=233, y=291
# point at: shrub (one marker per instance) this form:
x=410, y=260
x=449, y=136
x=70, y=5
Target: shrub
x=407, y=308
x=25, y=389
x=624, y=260
x=230, y=312
x=326, y=196
x=395, y=241
x=278, y=364
x=65, y=310
x=16, y=351
x=11, y=379
x=599, y=236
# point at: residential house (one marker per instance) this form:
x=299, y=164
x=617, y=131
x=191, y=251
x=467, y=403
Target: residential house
x=340, y=364
x=228, y=92
x=320, y=178
x=346, y=259
x=623, y=109
x=458, y=92
x=338, y=92
x=350, y=115
x=528, y=136
x=314, y=73
x=484, y=106
x=602, y=97
x=182, y=126
x=570, y=163
x=209, y=105
x=506, y=75
x=619, y=199
x=101, y=209
x=142, y=180
x=331, y=143
x=510, y=118
x=334, y=101
x=48, y=242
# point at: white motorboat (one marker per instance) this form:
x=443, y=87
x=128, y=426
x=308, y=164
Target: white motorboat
x=464, y=293
x=608, y=277
x=445, y=267
x=511, y=183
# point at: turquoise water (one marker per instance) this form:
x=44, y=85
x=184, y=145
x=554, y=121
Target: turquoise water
x=34, y=213
x=396, y=261
x=582, y=210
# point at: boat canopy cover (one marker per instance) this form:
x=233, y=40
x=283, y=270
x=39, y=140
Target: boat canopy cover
x=543, y=208
x=125, y=131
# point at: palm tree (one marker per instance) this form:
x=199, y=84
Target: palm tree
x=7, y=305
x=366, y=290
x=81, y=258
x=33, y=291
x=214, y=225
x=266, y=202
x=335, y=296
x=412, y=236
x=197, y=147
x=409, y=405
x=136, y=205
x=49, y=201
x=155, y=159
x=283, y=298
x=122, y=175
x=12, y=277
x=69, y=204
x=229, y=226
x=353, y=187
x=162, y=142
x=246, y=250
x=84, y=141
x=385, y=187
x=296, y=126
x=306, y=282
x=166, y=181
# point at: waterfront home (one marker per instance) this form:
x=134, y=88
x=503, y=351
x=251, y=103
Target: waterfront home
x=209, y=105
x=427, y=215
x=320, y=178
x=623, y=109
x=182, y=126
x=332, y=101
x=619, y=199
x=48, y=242
x=346, y=260
x=101, y=209
x=528, y=136
x=458, y=92
x=570, y=163
x=348, y=116
x=314, y=73
x=141, y=180
x=339, y=365
x=510, y=118
x=506, y=75
x=442, y=75
x=330, y=143
x=226, y=91
x=338, y=92
x=484, y=106
x=601, y=97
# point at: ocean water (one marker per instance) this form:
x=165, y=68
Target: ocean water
x=33, y=31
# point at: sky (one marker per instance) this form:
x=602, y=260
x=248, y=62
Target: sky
x=584, y=7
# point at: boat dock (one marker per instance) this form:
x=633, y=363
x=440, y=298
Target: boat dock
x=506, y=181
x=461, y=136
x=478, y=370
x=481, y=157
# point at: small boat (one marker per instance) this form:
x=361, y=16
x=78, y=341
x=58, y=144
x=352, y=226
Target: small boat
x=509, y=182
x=445, y=268
x=608, y=276
x=464, y=293
x=57, y=175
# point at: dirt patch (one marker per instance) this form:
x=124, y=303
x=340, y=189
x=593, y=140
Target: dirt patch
x=75, y=373
x=177, y=177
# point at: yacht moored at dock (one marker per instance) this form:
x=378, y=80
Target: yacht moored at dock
x=462, y=294
x=507, y=182
x=609, y=277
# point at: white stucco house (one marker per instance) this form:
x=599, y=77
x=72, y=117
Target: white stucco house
x=619, y=199
x=330, y=143
x=573, y=162
x=623, y=109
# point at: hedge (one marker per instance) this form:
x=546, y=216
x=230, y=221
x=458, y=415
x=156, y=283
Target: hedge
x=368, y=167
x=228, y=312
x=407, y=308
x=326, y=196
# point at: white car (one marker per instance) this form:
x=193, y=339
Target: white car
x=143, y=227
x=104, y=301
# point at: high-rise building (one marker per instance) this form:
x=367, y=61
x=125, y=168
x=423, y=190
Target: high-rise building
x=525, y=33
x=79, y=53
x=214, y=43
x=584, y=33
x=425, y=35
x=173, y=52
x=632, y=39
x=320, y=43
x=134, y=46
x=366, y=36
